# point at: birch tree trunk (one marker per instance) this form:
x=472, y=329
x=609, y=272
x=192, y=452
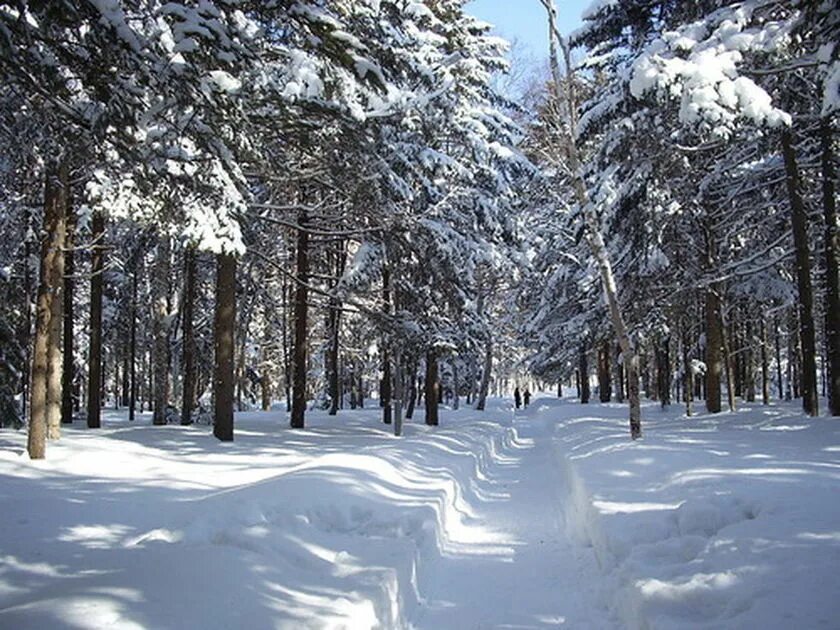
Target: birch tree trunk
x=594, y=238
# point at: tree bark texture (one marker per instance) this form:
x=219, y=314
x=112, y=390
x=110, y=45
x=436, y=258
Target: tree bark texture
x=432, y=388
x=583, y=370
x=189, y=337
x=385, y=383
x=54, y=348
x=160, y=327
x=832, y=255
x=301, y=315
x=49, y=291
x=604, y=380
x=94, y=401
x=799, y=223
x=223, y=334
x=68, y=370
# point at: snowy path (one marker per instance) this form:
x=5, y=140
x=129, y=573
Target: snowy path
x=544, y=581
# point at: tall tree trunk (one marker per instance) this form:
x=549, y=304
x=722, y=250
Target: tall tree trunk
x=189, y=337
x=432, y=388
x=97, y=269
x=160, y=291
x=714, y=339
x=484, y=388
x=765, y=365
x=412, y=390
x=224, y=342
x=301, y=315
x=68, y=370
x=399, y=386
x=583, y=369
x=334, y=330
x=799, y=223
x=664, y=367
x=385, y=383
x=604, y=380
x=455, y=397
x=287, y=365
x=592, y=228
x=265, y=365
x=779, y=381
x=54, y=349
x=688, y=372
x=749, y=361
x=727, y=366
x=132, y=349
x=49, y=291
x=832, y=254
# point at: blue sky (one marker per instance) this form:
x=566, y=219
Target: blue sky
x=525, y=20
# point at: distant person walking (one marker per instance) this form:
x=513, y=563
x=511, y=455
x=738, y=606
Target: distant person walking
x=517, y=398
x=527, y=397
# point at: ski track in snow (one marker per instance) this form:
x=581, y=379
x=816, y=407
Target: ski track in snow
x=550, y=517
x=338, y=525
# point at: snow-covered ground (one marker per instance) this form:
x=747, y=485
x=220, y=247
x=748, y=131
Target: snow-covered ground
x=549, y=517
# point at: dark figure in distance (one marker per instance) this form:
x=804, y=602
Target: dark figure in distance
x=517, y=399
x=527, y=397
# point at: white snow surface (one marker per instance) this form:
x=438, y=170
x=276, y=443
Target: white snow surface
x=544, y=518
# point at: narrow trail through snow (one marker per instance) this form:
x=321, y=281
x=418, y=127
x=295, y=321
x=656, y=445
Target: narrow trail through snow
x=545, y=580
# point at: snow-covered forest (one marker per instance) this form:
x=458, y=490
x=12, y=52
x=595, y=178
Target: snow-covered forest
x=340, y=313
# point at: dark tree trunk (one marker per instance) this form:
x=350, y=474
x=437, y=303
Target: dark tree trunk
x=832, y=253
x=94, y=399
x=799, y=223
x=412, y=390
x=287, y=366
x=68, y=371
x=189, y=337
x=604, y=380
x=334, y=330
x=765, y=365
x=385, y=383
x=132, y=350
x=714, y=342
x=301, y=315
x=618, y=366
x=664, y=366
x=160, y=291
x=49, y=291
x=583, y=370
x=432, y=389
x=224, y=343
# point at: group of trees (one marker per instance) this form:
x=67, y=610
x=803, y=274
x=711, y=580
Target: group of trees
x=709, y=135
x=332, y=181
x=210, y=204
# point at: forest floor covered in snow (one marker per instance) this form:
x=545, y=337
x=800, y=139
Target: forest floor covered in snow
x=544, y=518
